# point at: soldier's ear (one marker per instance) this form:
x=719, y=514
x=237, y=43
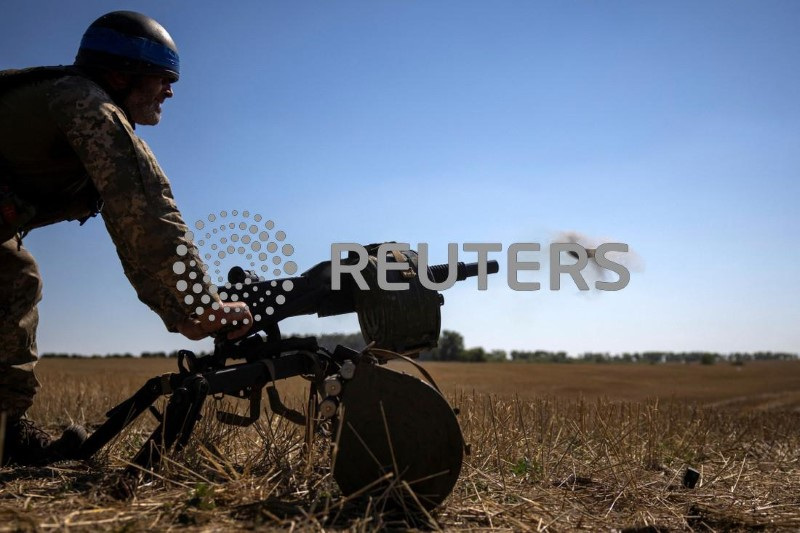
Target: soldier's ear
x=118, y=80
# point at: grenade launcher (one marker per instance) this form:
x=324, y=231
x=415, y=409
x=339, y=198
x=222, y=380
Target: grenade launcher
x=390, y=425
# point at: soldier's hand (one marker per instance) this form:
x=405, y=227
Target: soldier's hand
x=219, y=320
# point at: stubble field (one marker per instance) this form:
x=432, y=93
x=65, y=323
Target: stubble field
x=553, y=447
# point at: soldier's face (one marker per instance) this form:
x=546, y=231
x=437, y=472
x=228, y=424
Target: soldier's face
x=145, y=99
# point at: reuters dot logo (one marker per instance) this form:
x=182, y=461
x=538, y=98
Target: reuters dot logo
x=230, y=239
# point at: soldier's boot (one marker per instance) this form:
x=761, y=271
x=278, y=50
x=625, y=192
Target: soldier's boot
x=26, y=444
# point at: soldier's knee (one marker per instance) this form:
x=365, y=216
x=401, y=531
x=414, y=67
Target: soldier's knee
x=17, y=389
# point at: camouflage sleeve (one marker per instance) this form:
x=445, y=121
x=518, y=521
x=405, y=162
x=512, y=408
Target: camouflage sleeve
x=138, y=208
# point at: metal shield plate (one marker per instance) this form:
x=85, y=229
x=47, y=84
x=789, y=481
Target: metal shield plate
x=397, y=427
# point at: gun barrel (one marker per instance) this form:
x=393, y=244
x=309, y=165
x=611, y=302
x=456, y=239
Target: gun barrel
x=311, y=293
x=439, y=273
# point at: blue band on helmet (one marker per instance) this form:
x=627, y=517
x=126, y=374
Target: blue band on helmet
x=113, y=42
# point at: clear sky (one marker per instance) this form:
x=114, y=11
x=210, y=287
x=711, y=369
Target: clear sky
x=673, y=127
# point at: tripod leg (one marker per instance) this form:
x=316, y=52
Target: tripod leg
x=180, y=417
x=120, y=416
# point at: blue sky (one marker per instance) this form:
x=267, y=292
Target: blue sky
x=671, y=126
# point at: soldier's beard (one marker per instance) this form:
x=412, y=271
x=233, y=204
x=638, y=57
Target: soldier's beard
x=143, y=104
x=144, y=113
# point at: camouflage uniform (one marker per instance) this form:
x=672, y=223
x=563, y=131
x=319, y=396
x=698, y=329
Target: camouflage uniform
x=64, y=142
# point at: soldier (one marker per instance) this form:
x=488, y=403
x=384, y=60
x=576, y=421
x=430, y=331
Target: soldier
x=67, y=152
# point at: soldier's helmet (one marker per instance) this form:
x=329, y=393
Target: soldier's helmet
x=127, y=41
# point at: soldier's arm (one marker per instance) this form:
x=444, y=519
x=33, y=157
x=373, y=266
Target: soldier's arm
x=139, y=210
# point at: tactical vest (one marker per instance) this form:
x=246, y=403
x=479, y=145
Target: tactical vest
x=42, y=179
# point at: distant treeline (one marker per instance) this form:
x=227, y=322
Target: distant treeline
x=126, y=355
x=451, y=348
x=706, y=358
x=328, y=341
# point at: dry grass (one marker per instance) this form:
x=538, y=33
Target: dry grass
x=556, y=447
